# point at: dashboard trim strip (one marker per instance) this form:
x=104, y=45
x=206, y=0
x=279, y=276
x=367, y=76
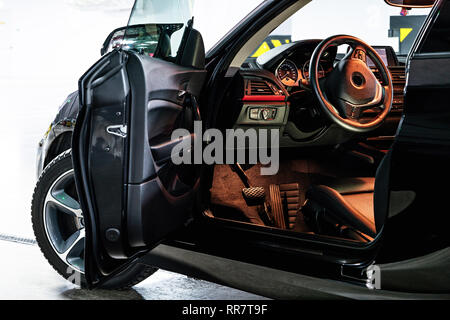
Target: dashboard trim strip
x=281, y=98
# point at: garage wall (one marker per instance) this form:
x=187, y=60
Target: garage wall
x=45, y=46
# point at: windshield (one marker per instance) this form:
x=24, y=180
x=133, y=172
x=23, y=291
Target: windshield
x=373, y=21
x=161, y=23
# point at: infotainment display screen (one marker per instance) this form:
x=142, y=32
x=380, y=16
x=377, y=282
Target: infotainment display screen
x=382, y=53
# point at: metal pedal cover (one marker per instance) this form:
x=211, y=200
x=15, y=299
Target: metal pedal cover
x=276, y=205
x=254, y=195
x=290, y=195
x=284, y=200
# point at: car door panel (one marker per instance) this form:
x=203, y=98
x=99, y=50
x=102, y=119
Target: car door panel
x=132, y=194
x=155, y=77
x=420, y=154
x=108, y=91
x=161, y=114
x=95, y=167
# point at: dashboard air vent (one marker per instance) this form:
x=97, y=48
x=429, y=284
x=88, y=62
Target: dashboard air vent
x=398, y=75
x=260, y=88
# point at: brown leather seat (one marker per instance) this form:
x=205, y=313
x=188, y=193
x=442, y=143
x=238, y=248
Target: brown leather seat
x=359, y=205
x=347, y=201
x=352, y=185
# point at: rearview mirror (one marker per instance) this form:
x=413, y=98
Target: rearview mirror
x=411, y=3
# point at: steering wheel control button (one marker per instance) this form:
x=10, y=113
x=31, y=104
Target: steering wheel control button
x=360, y=54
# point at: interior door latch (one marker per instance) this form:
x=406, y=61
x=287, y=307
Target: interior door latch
x=117, y=130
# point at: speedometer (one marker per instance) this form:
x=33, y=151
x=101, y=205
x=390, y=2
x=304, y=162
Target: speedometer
x=287, y=73
x=305, y=71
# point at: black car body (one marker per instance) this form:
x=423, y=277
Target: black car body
x=159, y=231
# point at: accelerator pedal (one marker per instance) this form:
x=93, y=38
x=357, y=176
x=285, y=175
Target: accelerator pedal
x=284, y=203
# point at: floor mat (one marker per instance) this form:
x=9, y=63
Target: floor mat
x=227, y=188
x=226, y=191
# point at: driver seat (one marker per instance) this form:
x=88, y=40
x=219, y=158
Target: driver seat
x=350, y=204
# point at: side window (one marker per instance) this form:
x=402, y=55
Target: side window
x=438, y=39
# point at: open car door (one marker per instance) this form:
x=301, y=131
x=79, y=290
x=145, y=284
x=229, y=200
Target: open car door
x=131, y=193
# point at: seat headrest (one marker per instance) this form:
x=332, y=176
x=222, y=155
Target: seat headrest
x=194, y=51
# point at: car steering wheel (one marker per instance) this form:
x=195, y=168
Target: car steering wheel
x=351, y=87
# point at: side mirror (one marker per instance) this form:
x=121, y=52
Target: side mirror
x=113, y=40
x=152, y=39
x=411, y=3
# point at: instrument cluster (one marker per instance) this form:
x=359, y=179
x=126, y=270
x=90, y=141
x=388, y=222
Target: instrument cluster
x=291, y=71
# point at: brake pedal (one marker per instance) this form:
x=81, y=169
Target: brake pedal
x=254, y=195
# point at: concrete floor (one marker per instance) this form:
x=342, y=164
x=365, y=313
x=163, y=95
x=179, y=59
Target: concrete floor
x=25, y=274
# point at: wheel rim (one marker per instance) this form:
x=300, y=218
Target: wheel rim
x=63, y=221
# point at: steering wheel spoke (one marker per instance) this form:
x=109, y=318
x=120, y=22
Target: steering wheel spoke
x=355, y=112
x=352, y=111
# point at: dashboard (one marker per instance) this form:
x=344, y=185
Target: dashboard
x=290, y=64
x=276, y=94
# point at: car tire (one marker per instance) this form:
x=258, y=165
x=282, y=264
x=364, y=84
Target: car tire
x=52, y=232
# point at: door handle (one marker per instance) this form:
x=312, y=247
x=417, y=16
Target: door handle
x=117, y=130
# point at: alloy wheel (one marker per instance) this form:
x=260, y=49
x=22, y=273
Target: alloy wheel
x=63, y=221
